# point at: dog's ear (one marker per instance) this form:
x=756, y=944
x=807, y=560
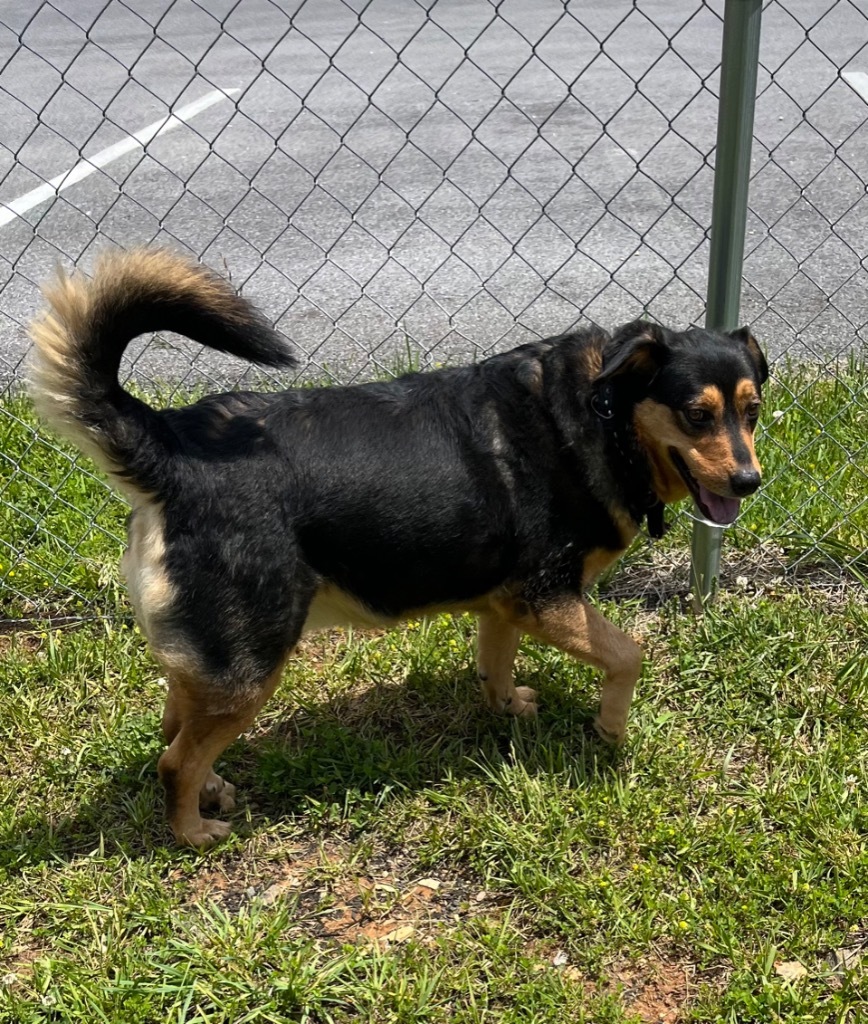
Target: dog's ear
x=638, y=349
x=754, y=351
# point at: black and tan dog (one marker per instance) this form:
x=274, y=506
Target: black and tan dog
x=502, y=488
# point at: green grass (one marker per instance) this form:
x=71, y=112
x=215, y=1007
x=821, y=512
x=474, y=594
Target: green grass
x=560, y=881
x=728, y=836
x=61, y=529
x=814, y=452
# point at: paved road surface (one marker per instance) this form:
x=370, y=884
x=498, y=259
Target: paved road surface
x=458, y=199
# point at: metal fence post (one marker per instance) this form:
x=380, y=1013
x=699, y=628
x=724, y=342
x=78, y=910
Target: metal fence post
x=738, y=76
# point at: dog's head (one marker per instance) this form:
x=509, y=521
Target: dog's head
x=694, y=400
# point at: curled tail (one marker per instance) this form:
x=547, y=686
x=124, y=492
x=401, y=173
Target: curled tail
x=80, y=340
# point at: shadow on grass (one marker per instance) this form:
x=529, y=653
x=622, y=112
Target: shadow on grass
x=326, y=763
x=370, y=747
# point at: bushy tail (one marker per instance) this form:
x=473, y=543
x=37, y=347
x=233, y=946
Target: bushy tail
x=81, y=338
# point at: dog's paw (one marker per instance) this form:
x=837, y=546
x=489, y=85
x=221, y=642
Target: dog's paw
x=217, y=792
x=614, y=739
x=524, y=703
x=521, y=703
x=208, y=832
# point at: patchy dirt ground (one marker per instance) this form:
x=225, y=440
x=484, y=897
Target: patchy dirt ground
x=333, y=897
x=659, y=991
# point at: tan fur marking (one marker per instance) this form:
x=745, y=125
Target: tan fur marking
x=711, y=398
x=489, y=422
x=332, y=607
x=497, y=640
x=626, y=527
x=745, y=394
x=202, y=726
x=709, y=456
x=530, y=375
x=54, y=368
x=57, y=370
x=713, y=462
x=715, y=455
x=596, y=562
x=657, y=430
x=143, y=566
x=592, y=358
x=497, y=644
x=578, y=629
x=573, y=626
x=161, y=271
x=215, y=791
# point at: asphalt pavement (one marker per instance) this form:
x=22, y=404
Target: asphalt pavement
x=395, y=182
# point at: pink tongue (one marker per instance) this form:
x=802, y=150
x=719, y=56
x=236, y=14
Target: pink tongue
x=720, y=510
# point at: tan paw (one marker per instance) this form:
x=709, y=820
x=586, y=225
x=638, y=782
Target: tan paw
x=217, y=792
x=523, y=703
x=615, y=738
x=208, y=832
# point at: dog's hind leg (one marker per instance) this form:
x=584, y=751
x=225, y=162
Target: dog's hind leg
x=497, y=645
x=199, y=724
x=215, y=791
x=575, y=627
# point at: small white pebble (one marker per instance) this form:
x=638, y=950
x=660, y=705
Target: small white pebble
x=741, y=581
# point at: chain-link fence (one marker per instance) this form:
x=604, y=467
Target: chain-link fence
x=408, y=183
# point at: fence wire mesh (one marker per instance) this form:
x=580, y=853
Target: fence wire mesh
x=406, y=184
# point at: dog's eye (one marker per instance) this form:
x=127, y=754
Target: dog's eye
x=698, y=417
x=753, y=411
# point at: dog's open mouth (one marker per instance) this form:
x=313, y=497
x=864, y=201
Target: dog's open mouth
x=716, y=509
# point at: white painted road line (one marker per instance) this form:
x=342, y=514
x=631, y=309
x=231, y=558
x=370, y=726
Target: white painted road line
x=87, y=166
x=858, y=81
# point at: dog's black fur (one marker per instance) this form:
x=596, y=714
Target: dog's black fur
x=502, y=487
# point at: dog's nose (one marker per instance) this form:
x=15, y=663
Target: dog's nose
x=744, y=482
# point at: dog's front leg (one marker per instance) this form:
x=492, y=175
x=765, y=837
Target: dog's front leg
x=575, y=627
x=496, y=648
